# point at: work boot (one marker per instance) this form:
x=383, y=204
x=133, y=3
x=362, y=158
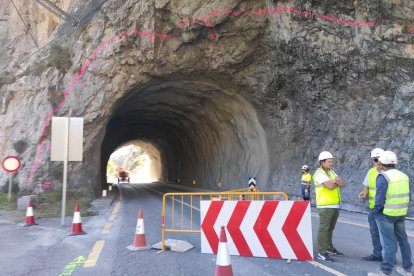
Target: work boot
x=379, y=272
x=372, y=258
x=334, y=252
x=401, y=271
x=325, y=257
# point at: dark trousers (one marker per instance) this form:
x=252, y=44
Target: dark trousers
x=327, y=222
x=373, y=229
x=392, y=230
x=305, y=195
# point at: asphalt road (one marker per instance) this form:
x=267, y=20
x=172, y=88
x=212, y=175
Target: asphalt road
x=46, y=249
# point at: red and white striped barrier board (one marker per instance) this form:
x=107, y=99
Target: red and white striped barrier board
x=271, y=229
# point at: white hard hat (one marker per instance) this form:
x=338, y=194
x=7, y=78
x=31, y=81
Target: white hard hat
x=305, y=167
x=388, y=157
x=325, y=155
x=376, y=152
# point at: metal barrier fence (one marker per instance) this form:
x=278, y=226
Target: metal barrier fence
x=187, y=202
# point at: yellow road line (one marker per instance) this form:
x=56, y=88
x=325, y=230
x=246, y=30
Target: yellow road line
x=94, y=255
x=326, y=268
x=107, y=227
x=115, y=211
x=353, y=223
x=365, y=225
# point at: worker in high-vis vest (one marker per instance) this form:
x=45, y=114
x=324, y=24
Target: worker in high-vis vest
x=391, y=206
x=305, y=182
x=328, y=202
x=369, y=190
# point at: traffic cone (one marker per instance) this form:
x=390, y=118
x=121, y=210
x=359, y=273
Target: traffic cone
x=139, y=240
x=29, y=220
x=223, y=264
x=77, y=223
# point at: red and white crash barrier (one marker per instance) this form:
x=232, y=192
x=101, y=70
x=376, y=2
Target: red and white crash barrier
x=271, y=229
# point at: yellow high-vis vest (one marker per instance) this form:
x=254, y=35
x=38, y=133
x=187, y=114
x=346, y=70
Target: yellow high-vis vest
x=306, y=177
x=397, y=197
x=372, y=186
x=324, y=196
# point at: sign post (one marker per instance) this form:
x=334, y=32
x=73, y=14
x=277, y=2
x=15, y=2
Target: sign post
x=11, y=164
x=66, y=145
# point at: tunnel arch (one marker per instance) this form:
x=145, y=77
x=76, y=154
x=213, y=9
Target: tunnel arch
x=204, y=131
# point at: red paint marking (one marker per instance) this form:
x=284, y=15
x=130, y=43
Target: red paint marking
x=76, y=80
x=150, y=39
x=290, y=228
x=208, y=224
x=233, y=226
x=204, y=18
x=412, y=30
x=208, y=24
x=260, y=228
x=219, y=43
x=212, y=36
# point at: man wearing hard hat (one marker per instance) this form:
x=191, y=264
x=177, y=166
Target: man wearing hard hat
x=391, y=207
x=305, y=183
x=370, y=189
x=328, y=201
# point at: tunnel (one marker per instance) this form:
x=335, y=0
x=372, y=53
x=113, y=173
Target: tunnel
x=205, y=132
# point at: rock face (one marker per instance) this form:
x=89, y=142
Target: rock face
x=223, y=89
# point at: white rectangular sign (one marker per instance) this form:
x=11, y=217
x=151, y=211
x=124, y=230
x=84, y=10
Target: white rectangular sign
x=67, y=139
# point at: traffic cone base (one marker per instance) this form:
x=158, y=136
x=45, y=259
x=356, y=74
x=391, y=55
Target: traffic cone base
x=77, y=223
x=29, y=220
x=223, y=271
x=135, y=248
x=139, y=240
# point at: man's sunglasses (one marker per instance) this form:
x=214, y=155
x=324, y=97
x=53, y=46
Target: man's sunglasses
x=375, y=160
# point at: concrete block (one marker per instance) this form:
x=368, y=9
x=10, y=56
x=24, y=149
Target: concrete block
x=174, y=245
x=23, y=201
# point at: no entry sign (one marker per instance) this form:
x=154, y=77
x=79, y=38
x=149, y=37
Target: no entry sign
x=11, y=164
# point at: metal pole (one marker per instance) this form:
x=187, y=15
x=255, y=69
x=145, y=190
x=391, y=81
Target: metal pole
x=65, y=171
x=10, y=187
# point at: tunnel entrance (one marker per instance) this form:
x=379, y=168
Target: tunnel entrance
x=141, y=160
x=206, y=132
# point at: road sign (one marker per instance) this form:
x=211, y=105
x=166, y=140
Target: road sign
x=11, y=164
x=252, y=182
x=66, y=145
x=67, y=139
x=270, y=229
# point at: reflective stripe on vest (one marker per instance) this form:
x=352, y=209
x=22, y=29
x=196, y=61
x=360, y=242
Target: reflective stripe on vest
x=372, y=186
x=324, y=196
x=306, y=177
x=397, y=197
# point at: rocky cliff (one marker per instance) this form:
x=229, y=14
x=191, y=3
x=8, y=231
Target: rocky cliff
x=223, y=89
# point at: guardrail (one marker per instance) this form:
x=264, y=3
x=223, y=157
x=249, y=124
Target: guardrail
x=187, y=202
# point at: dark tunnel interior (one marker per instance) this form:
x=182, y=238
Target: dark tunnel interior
x=202, y=132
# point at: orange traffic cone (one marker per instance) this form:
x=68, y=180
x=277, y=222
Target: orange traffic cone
x=77, y=223
x=223, y=264
x=139, y=240
x=30, y=220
